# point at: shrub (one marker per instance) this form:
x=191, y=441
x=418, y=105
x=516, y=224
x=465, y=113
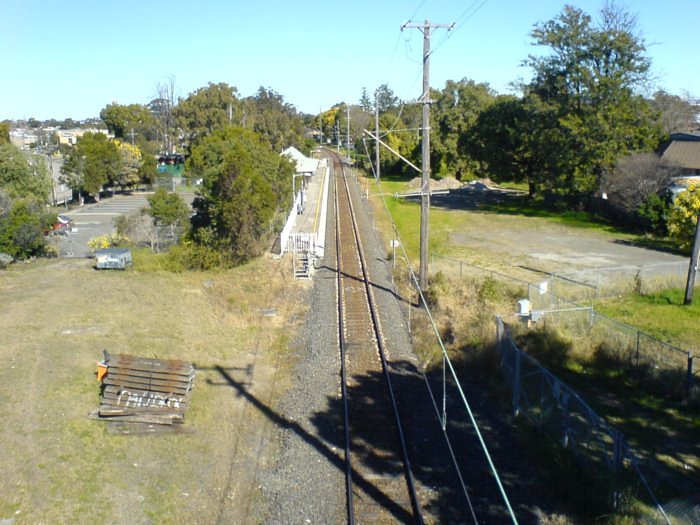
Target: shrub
x=546, y=345
x=190, y=256
x=5, y=260
x=683, y=218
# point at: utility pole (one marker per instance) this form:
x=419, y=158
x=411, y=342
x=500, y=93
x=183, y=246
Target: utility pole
x=376, y=133
x=693, y=268
x=425, y=168
x=347, y=143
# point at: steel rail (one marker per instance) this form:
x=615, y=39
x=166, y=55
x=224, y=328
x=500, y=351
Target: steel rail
x=380, y=349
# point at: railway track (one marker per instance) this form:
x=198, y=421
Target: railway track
x=379, y=483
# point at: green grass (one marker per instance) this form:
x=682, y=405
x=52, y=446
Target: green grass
x=522, y=205
x=662, y=315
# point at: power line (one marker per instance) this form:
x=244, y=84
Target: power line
x=472, y=10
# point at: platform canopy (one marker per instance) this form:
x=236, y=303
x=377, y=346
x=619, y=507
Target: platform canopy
x=304, y=164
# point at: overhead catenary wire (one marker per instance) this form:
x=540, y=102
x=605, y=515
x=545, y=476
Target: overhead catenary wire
x=472, y=10
x=446, y=359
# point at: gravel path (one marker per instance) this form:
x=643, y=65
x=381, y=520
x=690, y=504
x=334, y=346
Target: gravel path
x=307, y=485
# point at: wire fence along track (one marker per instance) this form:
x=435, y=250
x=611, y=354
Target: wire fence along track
x=668, y=369
x=380, y=486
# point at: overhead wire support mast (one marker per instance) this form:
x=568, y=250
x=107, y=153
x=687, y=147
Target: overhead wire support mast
x=425, y=172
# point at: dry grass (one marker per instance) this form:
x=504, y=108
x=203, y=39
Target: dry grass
x=55, y=319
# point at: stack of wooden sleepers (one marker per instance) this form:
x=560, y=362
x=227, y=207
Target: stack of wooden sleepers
x=144, y=390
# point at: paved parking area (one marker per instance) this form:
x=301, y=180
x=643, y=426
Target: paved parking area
x=93, y=220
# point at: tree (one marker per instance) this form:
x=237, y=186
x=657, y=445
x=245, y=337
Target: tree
x=684, y=217
x=129, y=165
x=20, y=179
x=498, y=142
x=147, y=170
x=454, y=111
x=384, y=98
x=635, y=189
x=5, y=132
x=162, y=109
x=91, y=164
x=586, y=87
x=245, y=185
x=269, y=115
x=121, y=120
x=22, y=225
x=168, y=209
x=208, y=109
x=365, y=102
x=678, y=114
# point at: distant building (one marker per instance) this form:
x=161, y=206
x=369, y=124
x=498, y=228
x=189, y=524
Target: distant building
x=70, y=136
x=683, y=150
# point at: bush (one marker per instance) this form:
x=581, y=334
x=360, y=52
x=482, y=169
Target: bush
x=191, y=256
x=683, y=218
x=546, y=345
x=22, y=230
x=5, y=260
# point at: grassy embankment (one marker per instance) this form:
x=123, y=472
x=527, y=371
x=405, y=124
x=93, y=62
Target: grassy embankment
x=465, y=313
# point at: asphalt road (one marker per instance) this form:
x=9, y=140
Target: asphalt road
x=94, y=220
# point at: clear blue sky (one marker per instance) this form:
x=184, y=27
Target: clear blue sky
x=71, y=58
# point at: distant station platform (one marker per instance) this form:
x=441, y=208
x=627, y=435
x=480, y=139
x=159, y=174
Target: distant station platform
x=305, y=230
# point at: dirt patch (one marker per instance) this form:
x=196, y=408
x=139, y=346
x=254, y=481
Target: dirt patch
x=60, y=467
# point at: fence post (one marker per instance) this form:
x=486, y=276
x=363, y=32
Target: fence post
x=617, y=465
x=637, y=357
x=516, y=382
x=689, y=377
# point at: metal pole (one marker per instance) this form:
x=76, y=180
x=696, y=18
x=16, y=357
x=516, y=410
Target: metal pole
x=376, y=134
x=347, y=142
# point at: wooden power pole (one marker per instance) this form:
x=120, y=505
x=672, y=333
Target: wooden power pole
x=425, y=151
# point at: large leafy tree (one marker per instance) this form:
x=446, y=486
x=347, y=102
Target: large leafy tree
x=20, y=179
x=121, y=120
x=245, y=185
x=168, y=209
x=498, y=141
x=454, y=111
x=129, y=165
x=208, y=109
x=92, y=163
x=587, y=88
x=269, y=115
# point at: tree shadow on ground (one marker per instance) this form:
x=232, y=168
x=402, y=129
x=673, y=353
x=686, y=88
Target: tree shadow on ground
x=432, y=460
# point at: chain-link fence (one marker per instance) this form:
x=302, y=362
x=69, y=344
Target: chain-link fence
x=550, y=290
x=558, y=412
x=620, y=280
x=556, y=301
x=663, y=369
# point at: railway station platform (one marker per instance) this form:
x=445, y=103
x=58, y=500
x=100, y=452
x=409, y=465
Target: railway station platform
x=305, y=230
